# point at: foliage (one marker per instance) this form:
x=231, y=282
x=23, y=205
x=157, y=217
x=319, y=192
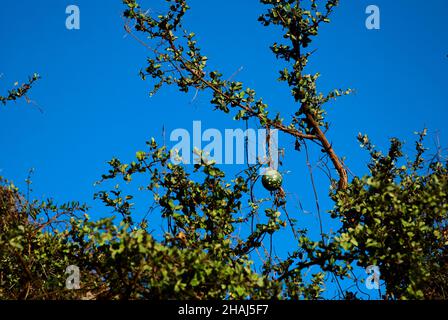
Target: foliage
x=33, y=254
x=19, y=92
x=177, y=60
x=197, y=259
x=394, y=217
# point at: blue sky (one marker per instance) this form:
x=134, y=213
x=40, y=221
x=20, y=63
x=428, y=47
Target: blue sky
x=96, y=107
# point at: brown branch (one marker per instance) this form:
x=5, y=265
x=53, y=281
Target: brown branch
x=246, y=108
x=319, y=135
x=339, y=166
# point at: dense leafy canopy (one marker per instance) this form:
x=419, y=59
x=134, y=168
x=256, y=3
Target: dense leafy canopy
x=395, y=217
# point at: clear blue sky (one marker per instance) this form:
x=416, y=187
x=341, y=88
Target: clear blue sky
x=95, y=106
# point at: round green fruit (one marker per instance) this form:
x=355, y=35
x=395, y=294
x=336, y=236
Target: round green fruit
x=272, y=180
